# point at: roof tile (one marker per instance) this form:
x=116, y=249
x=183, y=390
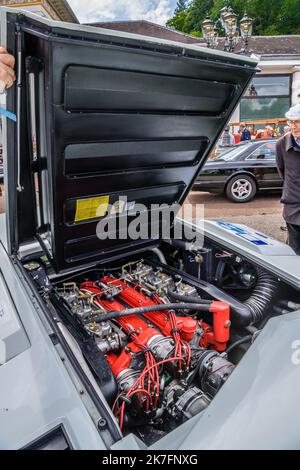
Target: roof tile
x=262, y=45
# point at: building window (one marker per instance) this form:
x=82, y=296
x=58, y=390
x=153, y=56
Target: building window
x=268, y=97
x=271, y=85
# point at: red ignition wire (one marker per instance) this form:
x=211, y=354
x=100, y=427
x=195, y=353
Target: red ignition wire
x=141, y=377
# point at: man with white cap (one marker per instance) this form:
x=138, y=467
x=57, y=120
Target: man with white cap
x=288, y=163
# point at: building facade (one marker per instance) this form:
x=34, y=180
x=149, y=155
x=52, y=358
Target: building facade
x=58, y=10
x=276, y=85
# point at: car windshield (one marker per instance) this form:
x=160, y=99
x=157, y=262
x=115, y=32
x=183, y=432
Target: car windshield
x=231, y=154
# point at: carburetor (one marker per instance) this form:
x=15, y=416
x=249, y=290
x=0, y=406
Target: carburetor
x=158, y=281
x=108, y=336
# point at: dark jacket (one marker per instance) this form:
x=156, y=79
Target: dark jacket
x=245, y=135
x=288, y=164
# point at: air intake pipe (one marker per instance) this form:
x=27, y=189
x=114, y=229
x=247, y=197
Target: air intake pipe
x=243, y=314
x=262, y=297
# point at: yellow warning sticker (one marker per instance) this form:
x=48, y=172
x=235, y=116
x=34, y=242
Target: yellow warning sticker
x=91, y=208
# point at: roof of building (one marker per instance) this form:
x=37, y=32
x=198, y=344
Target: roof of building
x=273, y=45
x=64, y=10
x=147, y=28
x=262, y=45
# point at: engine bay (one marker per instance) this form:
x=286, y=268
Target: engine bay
x=163, y=332
x=147, y=331
x=156, y=350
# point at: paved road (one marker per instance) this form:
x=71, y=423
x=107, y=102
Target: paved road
x=263, y=213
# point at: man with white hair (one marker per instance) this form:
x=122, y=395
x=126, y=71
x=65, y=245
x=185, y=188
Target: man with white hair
x=288, y=163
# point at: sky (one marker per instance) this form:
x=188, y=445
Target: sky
x=157, y=11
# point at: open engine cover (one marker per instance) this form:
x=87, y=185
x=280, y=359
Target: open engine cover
x=112, y=115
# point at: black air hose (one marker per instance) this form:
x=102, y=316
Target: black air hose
x=245, y=313
x=262, y=296
x=155, y=308
x=239, y=342
x=186, y=298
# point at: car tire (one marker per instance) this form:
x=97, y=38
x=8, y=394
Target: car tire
x=241, y=188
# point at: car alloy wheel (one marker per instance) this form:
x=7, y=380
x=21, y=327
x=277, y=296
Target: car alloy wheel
x=241, y=189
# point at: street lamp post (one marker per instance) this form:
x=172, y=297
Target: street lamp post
x=234, y=31
x=210, y=32
x=246, y=26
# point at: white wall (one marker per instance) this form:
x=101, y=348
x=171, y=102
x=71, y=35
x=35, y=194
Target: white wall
x=296, y=86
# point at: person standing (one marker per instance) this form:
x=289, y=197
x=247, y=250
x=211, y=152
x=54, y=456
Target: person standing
x=268, y=132
x=227, y=139
x=252, y=134
x=288, y=164
x=260, y=134
x=245, y=134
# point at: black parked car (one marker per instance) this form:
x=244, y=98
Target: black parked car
x=242, y=171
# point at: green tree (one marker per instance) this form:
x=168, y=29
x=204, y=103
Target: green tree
x=265, y=16
x=271, y=17
x=178, y=22
x=181, y=6
x=179, y=18
x=288, y=18
x=198, y=10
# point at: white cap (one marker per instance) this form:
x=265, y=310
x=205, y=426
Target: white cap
x=294, y=113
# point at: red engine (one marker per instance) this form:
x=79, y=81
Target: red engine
x=180, y=329
x=155, y=355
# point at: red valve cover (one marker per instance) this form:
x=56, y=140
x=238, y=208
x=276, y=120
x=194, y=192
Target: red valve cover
x=131, y=324
x=187, y=326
